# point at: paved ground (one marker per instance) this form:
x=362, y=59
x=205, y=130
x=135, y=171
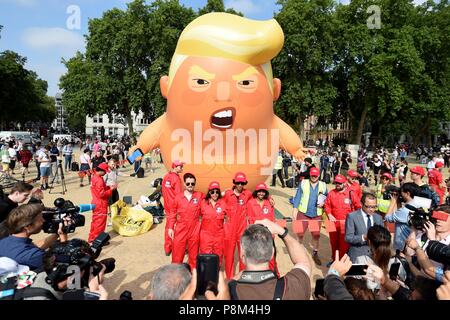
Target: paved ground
x=137, y=258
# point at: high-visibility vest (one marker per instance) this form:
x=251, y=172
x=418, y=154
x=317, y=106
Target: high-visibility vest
x=305, y=185
x=279, y=164
x=383, y=205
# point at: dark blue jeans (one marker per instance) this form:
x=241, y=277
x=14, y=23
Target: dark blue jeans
x=68, y=162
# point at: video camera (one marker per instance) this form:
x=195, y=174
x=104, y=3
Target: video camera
x=77, y=252
x=64, y=209
x=418, y=217
x=391, y=189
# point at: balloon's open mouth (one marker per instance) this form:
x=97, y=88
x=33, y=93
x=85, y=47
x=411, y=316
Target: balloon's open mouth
x=223, y=119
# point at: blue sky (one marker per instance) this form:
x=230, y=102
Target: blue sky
x=38, y=29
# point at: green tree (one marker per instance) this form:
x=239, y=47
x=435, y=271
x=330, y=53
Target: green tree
x=22, y=94
x=216, y=6
x=305, y=63
x=126, y=54
x=377, y=69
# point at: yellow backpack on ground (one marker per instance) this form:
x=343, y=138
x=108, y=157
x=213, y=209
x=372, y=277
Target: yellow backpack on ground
x=129, y=221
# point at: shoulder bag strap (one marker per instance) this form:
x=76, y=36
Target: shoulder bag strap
x=279, y=289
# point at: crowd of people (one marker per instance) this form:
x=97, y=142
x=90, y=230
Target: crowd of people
x=402, y=245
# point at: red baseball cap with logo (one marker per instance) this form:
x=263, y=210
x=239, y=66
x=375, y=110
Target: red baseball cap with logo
x=262, y=186
x=103, y=166
x=214, y=185
x=340, y=179
x=177, y=163
x=240, y=177
x=352, y=174
x=418, y=170
x=438, y=165
x=387, y=175
x=314, y=172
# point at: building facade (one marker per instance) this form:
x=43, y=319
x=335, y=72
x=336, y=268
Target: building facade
x=60, y=122
x=117, y=126
x=313, y=131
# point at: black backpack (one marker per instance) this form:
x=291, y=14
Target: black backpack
x=140, y=173
x=75, y=166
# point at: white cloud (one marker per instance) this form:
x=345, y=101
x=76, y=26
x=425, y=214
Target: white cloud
x=50, y=73
x=68, y=42
x=247, y=7
x=23, y=3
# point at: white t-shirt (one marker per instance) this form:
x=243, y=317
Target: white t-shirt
x=43, y=156
x=84, y=158
x=12, y=153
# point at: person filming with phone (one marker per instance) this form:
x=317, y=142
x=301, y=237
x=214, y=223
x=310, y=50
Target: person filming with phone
x=257, y=281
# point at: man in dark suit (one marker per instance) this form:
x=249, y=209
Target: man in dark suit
x=358, y=222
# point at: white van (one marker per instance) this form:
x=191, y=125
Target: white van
x=24, y=135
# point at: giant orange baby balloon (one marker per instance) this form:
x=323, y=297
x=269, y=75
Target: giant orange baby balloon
x=220, y=94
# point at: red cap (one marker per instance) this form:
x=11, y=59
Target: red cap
x=419, y=170
x=214, y=185
x=340, y=179
x=177, y=163
x=352, y=174
x=103, y=166
x=387, y=175
x=240, y=177
x=438, y=165
x=314, y=172
x=262, y=186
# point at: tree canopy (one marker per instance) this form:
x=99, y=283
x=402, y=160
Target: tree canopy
x=23, y=96
x=391, y=78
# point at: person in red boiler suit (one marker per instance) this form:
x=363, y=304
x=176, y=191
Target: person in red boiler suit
x=339, y=203
x=171, y=186
x=236, y=202
x=436, y=182
x=183, y=222
x=260, y=208
x=213, y=213
x=100, y=194
x=353, y=183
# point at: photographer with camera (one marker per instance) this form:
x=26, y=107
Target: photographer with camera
x=434, y=255
x=71, y=273
x=257, y=281
x=22, y=223
x=398, y=213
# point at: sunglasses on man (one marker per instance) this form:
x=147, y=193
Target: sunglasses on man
x=188, y=184
x=241, y=183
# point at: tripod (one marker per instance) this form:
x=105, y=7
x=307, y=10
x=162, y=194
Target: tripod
x=59, y=173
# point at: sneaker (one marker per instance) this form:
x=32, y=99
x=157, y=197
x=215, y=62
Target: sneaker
x=109, y=224
x=316, y=259
x=81, y=185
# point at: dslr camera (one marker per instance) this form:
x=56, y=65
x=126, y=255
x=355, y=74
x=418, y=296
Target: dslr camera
x=439, y=252
x=392, y=189
x=418, y=217
x=63, y=210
